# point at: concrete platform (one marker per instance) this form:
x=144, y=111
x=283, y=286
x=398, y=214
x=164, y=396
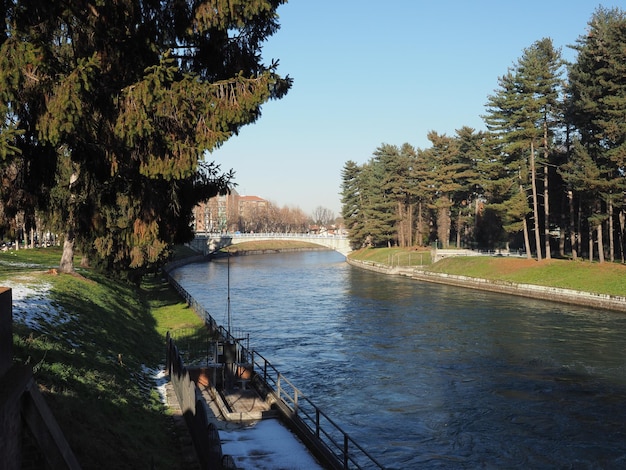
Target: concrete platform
x=254, y=444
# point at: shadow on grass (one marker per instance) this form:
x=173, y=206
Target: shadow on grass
x=96, y=371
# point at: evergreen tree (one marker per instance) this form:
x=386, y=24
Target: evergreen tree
x=352, y=203
x=471, y=152
x=396, y=186
x=422, y=194
x=540, y=73
x=110, y=106
x=597, y=110
x=449, y=185
x=380, y=205
x=521, y=113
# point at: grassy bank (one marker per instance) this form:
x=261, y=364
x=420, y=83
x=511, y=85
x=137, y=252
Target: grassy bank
x=272, y=245
x=95, y=346
x=600, y=278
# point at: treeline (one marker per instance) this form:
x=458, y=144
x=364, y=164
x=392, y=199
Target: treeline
x=547, y=176
x=270, y=218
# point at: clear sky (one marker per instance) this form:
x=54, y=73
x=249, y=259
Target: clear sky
x=371, y=72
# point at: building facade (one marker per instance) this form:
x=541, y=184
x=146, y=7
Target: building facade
x=222, y=214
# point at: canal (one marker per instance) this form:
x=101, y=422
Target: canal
x=430, y=376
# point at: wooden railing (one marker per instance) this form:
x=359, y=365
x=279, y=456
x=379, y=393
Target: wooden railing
x=23, y=411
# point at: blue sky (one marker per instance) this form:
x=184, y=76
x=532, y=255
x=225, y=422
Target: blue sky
x=372, y=72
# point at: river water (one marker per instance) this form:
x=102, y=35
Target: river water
x=430, y=376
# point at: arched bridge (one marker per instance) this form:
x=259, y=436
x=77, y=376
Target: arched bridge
x=212, y=242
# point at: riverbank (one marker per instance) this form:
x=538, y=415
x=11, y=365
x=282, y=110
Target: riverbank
x=550, y=293
x=552, y=280
x=96, y=349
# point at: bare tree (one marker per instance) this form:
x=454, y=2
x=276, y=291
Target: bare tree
x=323, y=216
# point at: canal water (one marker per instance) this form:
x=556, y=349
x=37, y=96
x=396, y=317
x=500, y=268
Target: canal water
x=431, y=376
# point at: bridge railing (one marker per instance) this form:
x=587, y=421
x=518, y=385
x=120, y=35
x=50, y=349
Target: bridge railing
x=287, y=235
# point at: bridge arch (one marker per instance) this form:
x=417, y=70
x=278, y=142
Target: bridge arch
x=339, y=243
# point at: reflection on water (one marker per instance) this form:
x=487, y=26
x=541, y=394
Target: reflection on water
x=433, y=376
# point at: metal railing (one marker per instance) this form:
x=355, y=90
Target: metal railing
x=286, y=235
x=346, y=450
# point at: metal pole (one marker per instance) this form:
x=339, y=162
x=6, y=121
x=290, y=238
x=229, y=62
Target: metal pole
x=317, y=422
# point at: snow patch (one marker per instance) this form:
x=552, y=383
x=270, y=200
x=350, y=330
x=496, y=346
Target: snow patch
x=159, y=378
x=32, y=306
x=267, y=445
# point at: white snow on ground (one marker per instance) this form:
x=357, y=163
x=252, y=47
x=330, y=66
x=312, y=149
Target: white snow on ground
x=267, y=445
x=32, y=306
x=160, y=378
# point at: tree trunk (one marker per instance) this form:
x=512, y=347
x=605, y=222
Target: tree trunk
x=458, y=229
x=410, y=224
x=572, y=225
x=400, y=224
x=590, y=243
x=533, y=180
x=529, y=254
x=600, y=243
x=419, y=239
x=546, y=195
x=611, y=238
x=67, y=258
x=563, y=228
x=444, y=223
x=622, y=223
x=546, y=213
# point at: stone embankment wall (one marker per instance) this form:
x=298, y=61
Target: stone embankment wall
x=610, y=302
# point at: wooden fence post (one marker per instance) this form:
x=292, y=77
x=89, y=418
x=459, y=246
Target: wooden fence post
x=10, y=422
x=6, y=330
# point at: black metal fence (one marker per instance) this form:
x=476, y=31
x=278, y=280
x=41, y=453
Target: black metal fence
x=323, y=436
x=304, y=412
x=204, y=435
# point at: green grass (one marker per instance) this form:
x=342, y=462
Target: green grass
x=26, y=260
x=271, y=245
x=604, y=278
x=109, y=412
x=394, y=256
x=601, y=278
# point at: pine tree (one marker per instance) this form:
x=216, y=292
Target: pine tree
x=597, y=110
x=380, y=204
x=396, y=185
x=471, y=152
x=449, y=181
x=521, y=113
x=352, y=203
x=111, y=106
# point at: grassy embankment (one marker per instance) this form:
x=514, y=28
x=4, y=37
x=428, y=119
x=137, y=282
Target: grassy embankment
x=272, y=245
x=605, y=278
x=110, y=412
